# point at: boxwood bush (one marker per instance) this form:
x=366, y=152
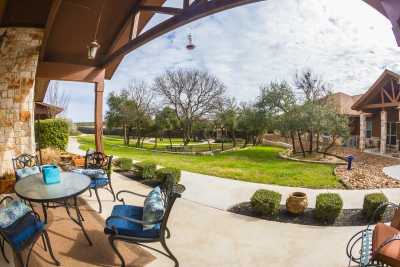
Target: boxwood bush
x=146, y=169
x=266, y=202
x=163, y=173
x=52, y=133
x=371, y=203
x=124, y=163
x=328, y=207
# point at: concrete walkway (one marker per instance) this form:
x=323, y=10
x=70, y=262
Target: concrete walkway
x=222, y=193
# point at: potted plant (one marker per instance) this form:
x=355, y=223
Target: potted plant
x=79, y=161
x=7, y=182
x=296, y=203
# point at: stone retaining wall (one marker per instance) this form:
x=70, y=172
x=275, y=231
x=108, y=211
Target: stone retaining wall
x=19, y=53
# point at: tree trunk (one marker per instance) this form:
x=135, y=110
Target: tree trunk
x=331, y=144
x=170, y=140
x=125, y=134
x=233, y=138
x=246, y=141
x=155, y=142
x=317, y=143
x=293, y=143
x=301, y=144
x=209, y=144
x=222, y=142
x=311, y=142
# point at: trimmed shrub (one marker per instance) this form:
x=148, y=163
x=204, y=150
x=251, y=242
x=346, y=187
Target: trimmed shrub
x=52, y=133
x=328, y=207
x=164, y=173
x=266, y=202
x=371, y=203
x=124, y=163
x=146, y=169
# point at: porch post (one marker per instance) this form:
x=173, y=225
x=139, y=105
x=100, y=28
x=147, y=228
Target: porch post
x=383, y=131
x=98, y=115
x=363, y=124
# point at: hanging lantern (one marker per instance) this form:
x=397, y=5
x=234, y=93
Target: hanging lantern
x=93, y=47
x=190, y=45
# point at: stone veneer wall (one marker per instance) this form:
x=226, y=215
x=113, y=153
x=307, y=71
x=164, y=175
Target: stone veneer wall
x=19, y=54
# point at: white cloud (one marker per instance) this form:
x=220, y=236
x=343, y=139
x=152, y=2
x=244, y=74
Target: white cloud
x=346, y=41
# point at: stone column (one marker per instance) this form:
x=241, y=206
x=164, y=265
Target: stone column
x=383, y=131
x=363, y=126
x=19, y=53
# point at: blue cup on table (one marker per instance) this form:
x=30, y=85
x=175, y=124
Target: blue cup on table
x=51, y=174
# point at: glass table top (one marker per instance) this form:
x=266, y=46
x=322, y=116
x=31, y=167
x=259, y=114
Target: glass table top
x=33, y=187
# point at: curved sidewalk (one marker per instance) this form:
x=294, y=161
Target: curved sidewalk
x=224, y=193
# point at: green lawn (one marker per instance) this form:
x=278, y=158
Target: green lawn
x=256, y=164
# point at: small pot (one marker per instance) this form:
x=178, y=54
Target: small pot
x=296, y=203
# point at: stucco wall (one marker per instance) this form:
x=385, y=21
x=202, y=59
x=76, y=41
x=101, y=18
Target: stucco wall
x=18, y=62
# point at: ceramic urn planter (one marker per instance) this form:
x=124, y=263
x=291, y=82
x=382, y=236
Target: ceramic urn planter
x=296, y=203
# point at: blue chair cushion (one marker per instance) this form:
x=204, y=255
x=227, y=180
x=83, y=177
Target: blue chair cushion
x=98, y=182
x=24, y=172
x=153, y=209
x=12, y=212
x=130, y=228
x=92, y=173
x=23, y=230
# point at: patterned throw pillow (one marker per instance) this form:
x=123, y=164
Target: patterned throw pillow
x=153, y=209
x=12, y=212
x=92, y=173
x=24, y=172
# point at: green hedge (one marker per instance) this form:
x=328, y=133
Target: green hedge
x=52, y=133
x=266, y=202
x=164, y=173
x=371, y=203
x=146, y=169
x=124, y=163
x=328, y=207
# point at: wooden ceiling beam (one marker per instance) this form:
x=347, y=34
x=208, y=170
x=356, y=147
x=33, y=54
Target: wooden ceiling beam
x=192, y=13
x=69, y=72
x=3, y=5
x=162, y=10
x=55, y=7
x=380, y=105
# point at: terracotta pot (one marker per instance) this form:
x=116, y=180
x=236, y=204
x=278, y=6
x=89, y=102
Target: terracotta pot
x=296, y=203
x=7, y=186
x=79, y=161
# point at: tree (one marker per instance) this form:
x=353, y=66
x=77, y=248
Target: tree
x=252, y=122
x=142, y=98
x=227, y=118
x=192, y=94
x=166, y=122
x=278, y=99
x=313, y=89
x=57, y=97
x=119, y=114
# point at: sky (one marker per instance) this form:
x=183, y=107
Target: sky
x=347, y=42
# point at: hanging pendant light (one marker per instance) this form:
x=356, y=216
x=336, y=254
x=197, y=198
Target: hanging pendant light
x=94, y=46
x=190, y=45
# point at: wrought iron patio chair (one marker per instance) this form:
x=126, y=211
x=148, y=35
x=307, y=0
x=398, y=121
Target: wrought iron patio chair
x=23, y=234
x=24, y=161
x=126, y=224
x=366, y=247
x=100, y=161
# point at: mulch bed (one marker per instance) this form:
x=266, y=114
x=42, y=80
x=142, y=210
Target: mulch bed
x=348, y=217
x=367, y=171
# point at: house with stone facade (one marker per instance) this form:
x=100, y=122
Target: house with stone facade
x=374, y=115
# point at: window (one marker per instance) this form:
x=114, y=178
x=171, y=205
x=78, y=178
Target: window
x=368, y=133
x=391, y=133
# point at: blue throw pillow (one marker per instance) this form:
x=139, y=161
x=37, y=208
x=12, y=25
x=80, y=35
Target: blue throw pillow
x=12, y=212
x=92, y=173
x=24, y=172
x=153, y=209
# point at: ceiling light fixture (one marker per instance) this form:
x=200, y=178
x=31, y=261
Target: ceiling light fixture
x=190, y=45
x=94, y=46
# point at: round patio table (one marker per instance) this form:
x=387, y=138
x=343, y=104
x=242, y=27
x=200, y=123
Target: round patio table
x=33, y=189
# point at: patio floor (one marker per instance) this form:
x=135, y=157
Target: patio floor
x=205, y=236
